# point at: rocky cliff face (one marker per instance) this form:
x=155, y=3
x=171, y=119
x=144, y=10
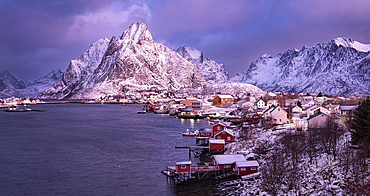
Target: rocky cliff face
x=341, y=66
x=131, y=61
x=212, y=72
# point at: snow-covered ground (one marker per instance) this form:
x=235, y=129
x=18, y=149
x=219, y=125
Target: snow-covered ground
x=321, y=176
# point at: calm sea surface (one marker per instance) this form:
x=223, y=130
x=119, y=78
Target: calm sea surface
x=90, y=149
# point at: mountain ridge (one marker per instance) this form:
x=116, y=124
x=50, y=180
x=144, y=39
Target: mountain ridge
x=335, y=68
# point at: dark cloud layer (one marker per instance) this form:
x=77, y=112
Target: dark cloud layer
x=38, y=36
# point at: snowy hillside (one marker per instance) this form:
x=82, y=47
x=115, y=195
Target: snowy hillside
x=12, y=87
x=132, y=61
x=212, y=72
x=233, y=88
x=341, y=66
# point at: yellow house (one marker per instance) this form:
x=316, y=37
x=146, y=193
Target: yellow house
x=223, y=100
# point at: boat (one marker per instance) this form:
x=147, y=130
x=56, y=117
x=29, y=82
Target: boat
x=142, y=112
x=190, y=133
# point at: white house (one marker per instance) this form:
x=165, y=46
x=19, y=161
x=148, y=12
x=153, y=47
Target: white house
x=334, y=109
x=297, y=109
x=277, y=115
x=315, y=109
x=259, y=103
x=272, y=103
x=318, y=120
x=291, y=102
x=308, y=103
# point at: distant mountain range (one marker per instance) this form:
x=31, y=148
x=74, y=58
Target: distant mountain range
x=10, y=86
x=341, y=66
x=133, y=61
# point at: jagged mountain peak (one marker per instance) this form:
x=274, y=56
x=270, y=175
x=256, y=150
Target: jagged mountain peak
x=136, y=32
x=211, y=71
x=349, y=43
x=132, y=62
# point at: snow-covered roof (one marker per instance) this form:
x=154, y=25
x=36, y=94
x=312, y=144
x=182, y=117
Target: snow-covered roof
x=348, y=108
x=228, y=159
x=229, y=131
x=225, y=96
x=217, y=141
x=183, y=163
x=247, y=164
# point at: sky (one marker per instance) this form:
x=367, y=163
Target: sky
x=41, y=35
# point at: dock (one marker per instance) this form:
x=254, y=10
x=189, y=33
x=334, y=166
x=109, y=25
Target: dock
x=195, y=173
x=193, y=148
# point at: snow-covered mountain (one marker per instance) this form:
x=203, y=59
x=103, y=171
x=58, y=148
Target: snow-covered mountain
x=10, y=86
x=131, y=61
x=211, y=71
x=341, y=66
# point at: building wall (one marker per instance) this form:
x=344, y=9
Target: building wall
x=224, y=135
x=186, y=169
x=216, y=128
x=248, y=170
x=216, y=146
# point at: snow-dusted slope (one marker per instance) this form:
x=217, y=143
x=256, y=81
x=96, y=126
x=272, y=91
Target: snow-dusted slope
x=132, y=61
x=41, y=84
x=12, y=87
x=211, y=71
x=233, y=88
x=341, y=66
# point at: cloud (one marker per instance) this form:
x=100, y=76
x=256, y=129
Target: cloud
x=108, y=21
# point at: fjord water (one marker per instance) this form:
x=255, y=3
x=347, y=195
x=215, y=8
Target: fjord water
x=90, y=149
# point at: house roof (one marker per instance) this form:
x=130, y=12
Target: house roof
x=318, y=114
x=205, y=130
x=217, y=141
x=224, y=129
x=228, y=159
x=225, y=96
x=183, y=163
x=348, y=108
x=247, y=163
x=186, y=102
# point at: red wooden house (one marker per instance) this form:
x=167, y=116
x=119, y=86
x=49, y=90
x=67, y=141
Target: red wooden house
x=246, y=167
x=183, y=166
x=216, y=144
x=217, y=127
x=226, y=162
x=225, y=134
x=205, y=133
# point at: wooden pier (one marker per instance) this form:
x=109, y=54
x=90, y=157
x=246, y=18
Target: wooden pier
x=195, y=173
x=193, y=148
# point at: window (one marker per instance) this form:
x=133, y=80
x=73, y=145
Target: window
x=219, y=137
x=280, y=120
x=183, y=166
x=227, y=166
x=253, y=168
x=218, y=128
x=228, y=138
x=243, y=169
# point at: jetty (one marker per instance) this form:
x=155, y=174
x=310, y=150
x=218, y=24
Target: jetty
x=193, y=148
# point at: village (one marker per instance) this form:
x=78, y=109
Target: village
x=225, y=150
x=229, y=116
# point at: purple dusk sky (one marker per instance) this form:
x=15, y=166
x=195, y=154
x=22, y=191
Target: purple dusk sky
x=40, y=35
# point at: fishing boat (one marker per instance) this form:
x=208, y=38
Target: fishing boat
x=142, y=112
x=190, y=133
